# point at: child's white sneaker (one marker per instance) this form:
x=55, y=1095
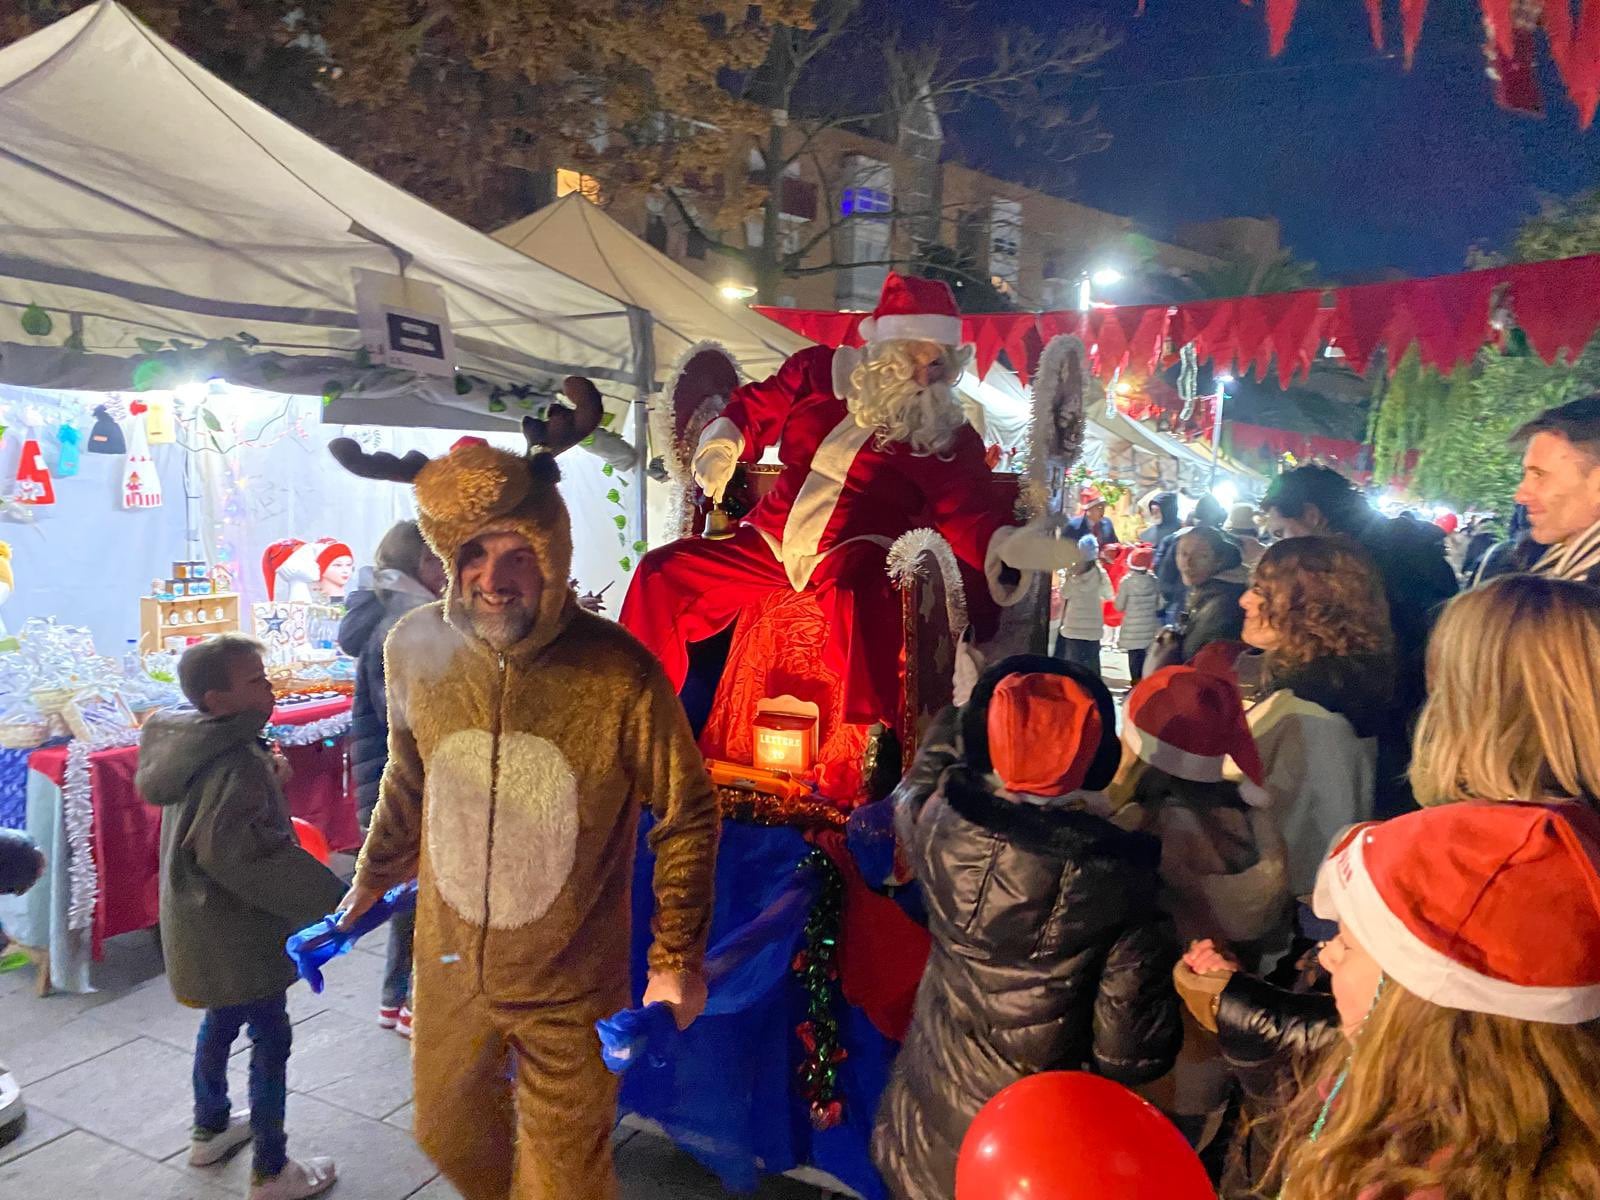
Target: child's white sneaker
x=207, y=1151
x=298, y=1180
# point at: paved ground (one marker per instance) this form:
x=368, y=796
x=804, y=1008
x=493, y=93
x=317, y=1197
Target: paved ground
x=106, y=1081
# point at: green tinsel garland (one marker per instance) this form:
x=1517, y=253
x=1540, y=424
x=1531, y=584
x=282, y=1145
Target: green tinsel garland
x=816, y=966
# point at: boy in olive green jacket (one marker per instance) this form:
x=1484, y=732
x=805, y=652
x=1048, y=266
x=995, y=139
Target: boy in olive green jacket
x=234, y=885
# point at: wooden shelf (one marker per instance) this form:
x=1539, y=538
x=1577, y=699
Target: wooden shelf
x=155, y=624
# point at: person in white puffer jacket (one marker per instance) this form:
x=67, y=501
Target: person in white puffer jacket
x=1084, y=590
x=1139, y=602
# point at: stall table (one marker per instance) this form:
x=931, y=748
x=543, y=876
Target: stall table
x=125, y=837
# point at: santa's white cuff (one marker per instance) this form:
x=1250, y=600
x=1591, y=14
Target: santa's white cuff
x=1005, y=595
x=721, y=430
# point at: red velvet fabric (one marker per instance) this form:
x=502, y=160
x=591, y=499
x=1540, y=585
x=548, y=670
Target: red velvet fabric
x=126, y=834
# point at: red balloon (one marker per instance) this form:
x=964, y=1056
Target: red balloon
x=1067, y=1135
x=310, y=839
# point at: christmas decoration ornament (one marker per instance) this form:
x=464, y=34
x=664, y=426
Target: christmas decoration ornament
x=1188, y=379
x=71, y=442
x=106, y=435
x=1056, y=436
x=33, y=477
x=141, y=486
x=817, y=970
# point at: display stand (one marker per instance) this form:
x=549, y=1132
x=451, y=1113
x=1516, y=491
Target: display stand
x=156, y=623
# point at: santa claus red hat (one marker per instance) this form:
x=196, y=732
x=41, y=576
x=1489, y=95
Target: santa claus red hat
x=328, y=551
x=1190, y=723
x=1090, y=495
x=1485, y=907
x=1044, y=731
x=274, y=559
x=914, y=309
x=1142, y=558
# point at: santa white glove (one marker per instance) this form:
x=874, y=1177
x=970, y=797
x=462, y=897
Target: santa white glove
x=1040, y=545
x=717, y=457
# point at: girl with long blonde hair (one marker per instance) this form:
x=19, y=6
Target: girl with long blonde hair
x=1513, y=705
x=1471, y=1022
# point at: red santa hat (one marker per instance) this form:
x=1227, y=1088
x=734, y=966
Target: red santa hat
x=1142, y=558
x=1190, y=723
x=1484, y=907
x=1044, y=732
x=1090, y=495
x=328, y=551
x=914, y=309
x=275, y=558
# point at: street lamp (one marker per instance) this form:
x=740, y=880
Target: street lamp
x=1099, y=277
x=1223, y=381
x=736, y=292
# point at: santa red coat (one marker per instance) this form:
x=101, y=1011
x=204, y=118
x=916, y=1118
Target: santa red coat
x=840, y=501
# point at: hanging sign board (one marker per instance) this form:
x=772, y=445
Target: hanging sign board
x=404, y=323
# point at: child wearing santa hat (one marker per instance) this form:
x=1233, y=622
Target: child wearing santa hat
x=1139, y=602
x=1224, y=870
x=1049, y=951
x=1466, y=972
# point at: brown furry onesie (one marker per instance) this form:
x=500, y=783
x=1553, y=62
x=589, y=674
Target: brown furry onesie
x=513, y=793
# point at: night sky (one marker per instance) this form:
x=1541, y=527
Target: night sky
x=1366, y=165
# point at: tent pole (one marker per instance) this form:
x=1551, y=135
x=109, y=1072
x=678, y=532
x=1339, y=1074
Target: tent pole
x=642, y=323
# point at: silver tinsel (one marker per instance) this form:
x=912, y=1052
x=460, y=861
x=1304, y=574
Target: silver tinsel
x=312, y=732
x=77, y=813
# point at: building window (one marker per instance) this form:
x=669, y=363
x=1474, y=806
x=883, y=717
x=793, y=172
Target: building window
x=569, y=181
x=867, y=198
x=655, y=232
x=1005, y=242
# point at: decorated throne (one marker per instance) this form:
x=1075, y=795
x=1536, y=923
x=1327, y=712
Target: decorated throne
x=773, y=658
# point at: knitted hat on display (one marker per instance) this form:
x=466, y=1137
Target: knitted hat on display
x=329, y=551
x=1485, y=907
x=914, y=309
x=1190, y=723
x=1142, y=558
x=1044, y=731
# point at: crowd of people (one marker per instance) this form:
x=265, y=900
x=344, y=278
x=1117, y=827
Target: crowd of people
x=1332, y=899
x=1325, y=888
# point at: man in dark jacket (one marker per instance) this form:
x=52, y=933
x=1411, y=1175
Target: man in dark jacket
x=1417, y=581
x=1062, y=960
x=1163, y=512
x=406, y=575
x=234, y=885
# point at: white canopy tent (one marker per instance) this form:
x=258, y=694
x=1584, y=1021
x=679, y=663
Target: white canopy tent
x=142, y=197
x=582, y=241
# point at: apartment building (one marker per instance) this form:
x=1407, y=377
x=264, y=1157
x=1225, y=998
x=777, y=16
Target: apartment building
x=862, y=205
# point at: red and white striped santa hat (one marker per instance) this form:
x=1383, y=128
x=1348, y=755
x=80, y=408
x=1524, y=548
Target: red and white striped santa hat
x=1486, y=907
x=914, y=309
x=1190, y=723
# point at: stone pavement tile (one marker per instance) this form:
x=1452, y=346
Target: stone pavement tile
x=351, y=983
x=376, y=1161
x=81, y=1165
x=138, y=1096
x=439, y=1189
x=40, y=1036
x=38, y=1128
x=150, y=1011
x=401, y=1117
x=351, y=1063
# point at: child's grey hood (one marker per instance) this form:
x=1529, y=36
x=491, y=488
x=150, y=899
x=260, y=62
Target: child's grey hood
x=176, y=746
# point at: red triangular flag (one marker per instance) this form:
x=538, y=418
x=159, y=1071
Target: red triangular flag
x=1292, y=317
x=1363, y=317
x=1375, y=21
x=1280, y=16
x=986, y=340
x=1498, y=26
x=1254, y=332
x=1411, y=15
x=1557, y=304
x=1054, y=324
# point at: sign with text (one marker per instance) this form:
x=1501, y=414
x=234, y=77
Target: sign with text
x=404, y=323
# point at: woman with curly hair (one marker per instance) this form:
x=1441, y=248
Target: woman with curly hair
x=1316, y=610
x=1470, y=1020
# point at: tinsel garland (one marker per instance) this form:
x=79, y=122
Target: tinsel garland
x=1055, y=435
x=77, y=814
x=1188, y=379
x=908, y=559
x=816, y=967
x=328, y=730
x=760, y=808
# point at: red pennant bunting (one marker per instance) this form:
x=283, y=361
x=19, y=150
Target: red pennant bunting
x=1450, y=317
x=1557, y=304
x=1023, y=348
x=1411, y=14
x=1107, y=342
x=987, y=342
x=1497, y=25
x=825, y=328
x=1375, y=21
x=1210, y=326
x=1293, y=320
x=1280, y=16
x=1054, y=324
x=1363, y=320
x=991, y=333
x=1253, y=333
x=1146, y=338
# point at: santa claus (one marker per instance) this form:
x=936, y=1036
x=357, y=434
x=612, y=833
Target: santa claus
x=873, y=444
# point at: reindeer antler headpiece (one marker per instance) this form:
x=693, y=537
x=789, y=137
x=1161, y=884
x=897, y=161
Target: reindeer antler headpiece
x=476, y=489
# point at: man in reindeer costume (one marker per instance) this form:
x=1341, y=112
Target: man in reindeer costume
x=874, y=443
x=525, y=737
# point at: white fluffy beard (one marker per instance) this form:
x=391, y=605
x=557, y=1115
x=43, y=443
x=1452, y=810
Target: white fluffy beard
x=883, y=395
x=502, y=628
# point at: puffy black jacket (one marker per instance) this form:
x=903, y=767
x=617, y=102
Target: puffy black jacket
x=1266, y=1034
x=1049, y=953
x=1213, y=613
x=366, y=623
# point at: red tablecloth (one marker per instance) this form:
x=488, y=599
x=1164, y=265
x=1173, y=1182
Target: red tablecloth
x=127, y=831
